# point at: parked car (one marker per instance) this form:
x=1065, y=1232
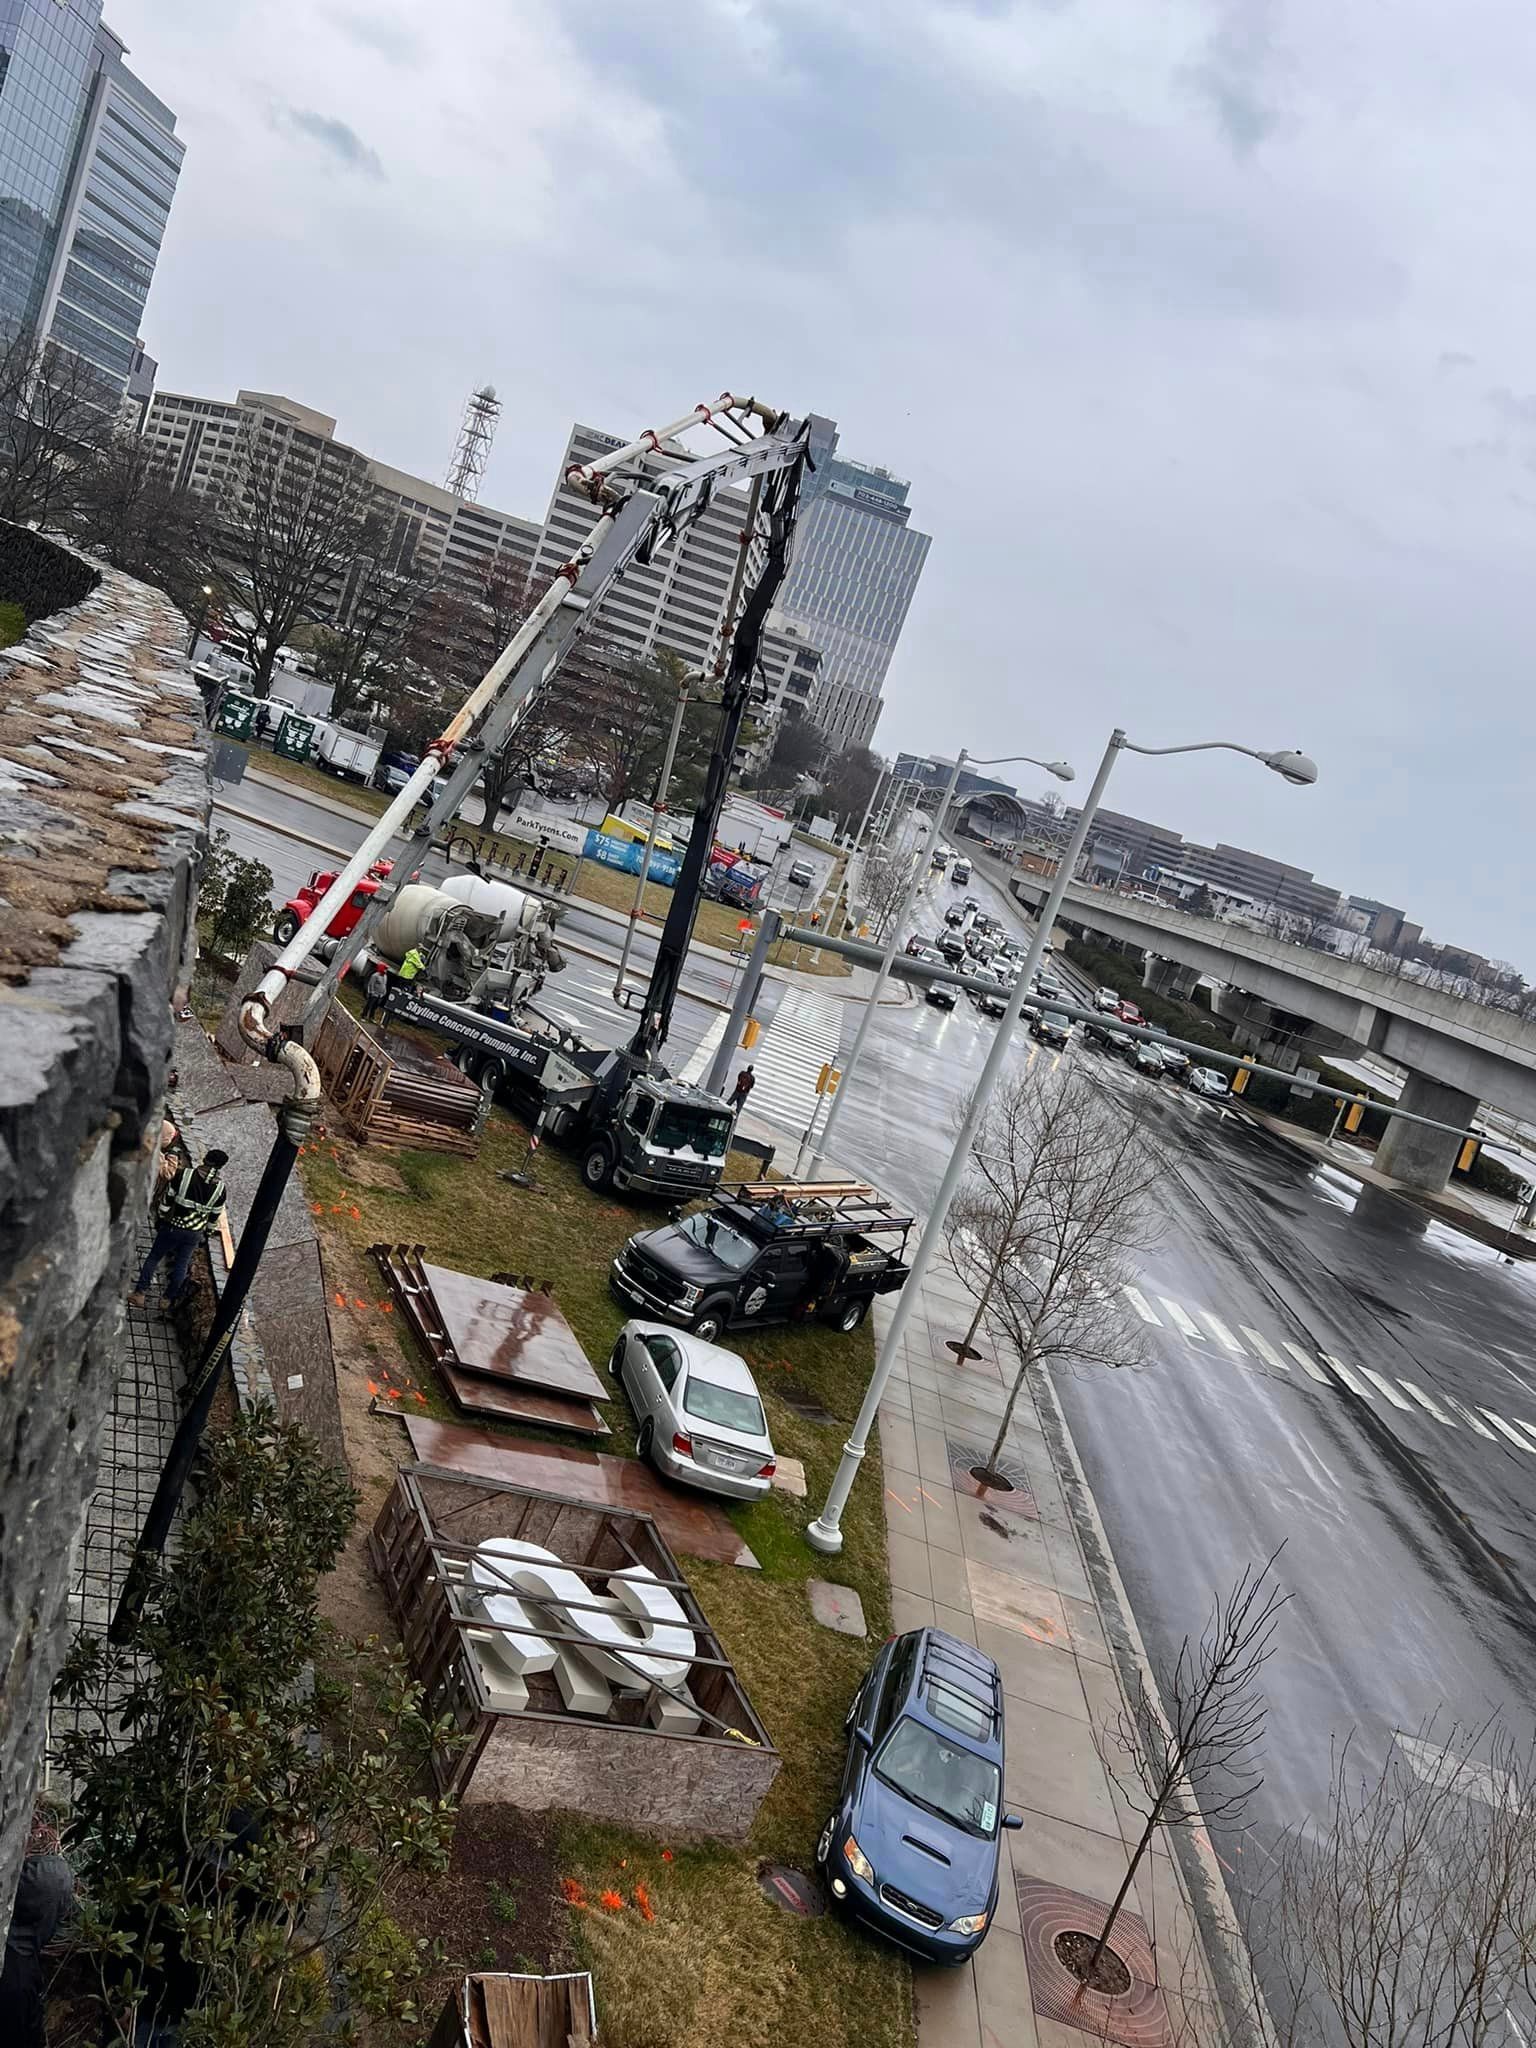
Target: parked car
x=1207, y=1081
x=801, y=874
x=911, y=1848
x=1149, y=1058
x=941, y=994
x=1050, y=1027
x=1106, y=999
x=697, y=1410
x=395, y=771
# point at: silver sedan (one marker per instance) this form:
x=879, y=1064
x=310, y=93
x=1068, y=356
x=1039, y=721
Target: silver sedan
x=699, y=1417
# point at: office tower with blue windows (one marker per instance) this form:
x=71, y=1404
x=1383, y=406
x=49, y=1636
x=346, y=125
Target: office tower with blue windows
x=855, y=569
x=88, y=166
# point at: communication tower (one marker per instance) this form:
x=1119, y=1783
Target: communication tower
x=482, y=410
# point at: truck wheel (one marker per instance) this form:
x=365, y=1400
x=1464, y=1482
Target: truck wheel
x=596, y=1168
x=711, y=1325
x=847, y=1319
x=285, y=927
x=493, y=1075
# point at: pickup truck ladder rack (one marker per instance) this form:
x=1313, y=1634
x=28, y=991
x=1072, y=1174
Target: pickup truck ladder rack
x=815, y=1208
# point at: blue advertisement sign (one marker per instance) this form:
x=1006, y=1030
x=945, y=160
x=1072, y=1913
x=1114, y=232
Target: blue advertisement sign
x=627, y=854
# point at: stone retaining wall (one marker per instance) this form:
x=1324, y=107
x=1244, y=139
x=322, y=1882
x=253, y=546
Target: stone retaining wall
x=103, y=816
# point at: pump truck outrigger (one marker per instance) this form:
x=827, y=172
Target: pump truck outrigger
x=637, y=517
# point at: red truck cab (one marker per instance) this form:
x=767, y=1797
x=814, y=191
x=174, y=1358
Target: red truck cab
x=298, y=909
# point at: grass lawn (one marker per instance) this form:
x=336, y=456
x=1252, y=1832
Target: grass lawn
x=717, y=1963
x=357, y=794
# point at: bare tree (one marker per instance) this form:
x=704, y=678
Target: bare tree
x=55, y=409
x=293, y=525
x=128, y=508
x=1190, y=1753
x=1406, y=1918
x=1060, y=1207
x=382, y=590
x=882, y=884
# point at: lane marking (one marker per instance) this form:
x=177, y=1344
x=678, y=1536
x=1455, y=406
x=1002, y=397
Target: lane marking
x=1265, y=1349
x=1142, y=1306
x=1504, y=1429
x=1427, y=1402
x=1306, y=1364
x=1184, y=1323
x=1385, y=1385
x=1351, y=1380
x=1467, y=1416
x=1222, y=1334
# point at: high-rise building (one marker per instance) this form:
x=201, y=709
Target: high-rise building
x=850, y=585
x=89, y=161
x=679, y=601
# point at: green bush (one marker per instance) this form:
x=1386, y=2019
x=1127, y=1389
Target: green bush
x=234, y=898
x=13, y=624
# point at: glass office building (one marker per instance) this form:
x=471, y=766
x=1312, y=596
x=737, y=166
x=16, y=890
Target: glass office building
x=89, y=160
x=850, y=586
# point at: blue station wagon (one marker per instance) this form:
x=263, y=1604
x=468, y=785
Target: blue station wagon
x=912, y=1848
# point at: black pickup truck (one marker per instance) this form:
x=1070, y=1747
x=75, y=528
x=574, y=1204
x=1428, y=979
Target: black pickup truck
x=767, y=1252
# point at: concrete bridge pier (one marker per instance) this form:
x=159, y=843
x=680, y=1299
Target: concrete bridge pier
x=1414, y=1154
x=1168, y=978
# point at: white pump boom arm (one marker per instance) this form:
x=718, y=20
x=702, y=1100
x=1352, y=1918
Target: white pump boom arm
x=636, y=518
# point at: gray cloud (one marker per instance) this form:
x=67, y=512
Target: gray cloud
x=1237, y=73
x=336, y=136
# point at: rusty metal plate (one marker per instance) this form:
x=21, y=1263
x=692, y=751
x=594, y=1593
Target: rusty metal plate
x=512, y=1333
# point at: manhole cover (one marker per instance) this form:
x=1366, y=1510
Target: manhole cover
x=805, y=1405
x=792, y=1890
x=1015, y=1497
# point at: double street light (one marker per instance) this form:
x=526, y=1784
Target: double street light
x=898, y=923
x=825, y=1533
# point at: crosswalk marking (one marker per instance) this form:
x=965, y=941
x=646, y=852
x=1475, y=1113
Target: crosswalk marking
x=1142, y=1306
x=1427, y=1402
x=801, y=1039
x=1525, y=1428
x=697, y=1064
x=1312, y=1371
x=1380, y=1381
x=1222, y=1334
x=1355, y=1384
x=1265, y=1350
x=1467, y=1415
x=1504, y=1429
x=1184, y=1323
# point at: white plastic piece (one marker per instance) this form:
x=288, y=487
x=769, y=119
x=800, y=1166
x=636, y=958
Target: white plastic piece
x=526, y=1650
x=674, y=1713
x=580, y=1687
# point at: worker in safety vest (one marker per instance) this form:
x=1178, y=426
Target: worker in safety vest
x=412, y=964
x=190, y=1210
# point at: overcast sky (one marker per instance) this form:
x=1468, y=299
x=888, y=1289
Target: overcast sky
x=1203, y=329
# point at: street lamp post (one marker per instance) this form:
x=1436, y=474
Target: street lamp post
x=825, y=1533
x=899, y=921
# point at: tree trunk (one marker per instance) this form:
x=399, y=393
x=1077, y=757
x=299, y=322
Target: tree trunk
x=982, y=1300
x=1120, y=1896
x=1013, y=1397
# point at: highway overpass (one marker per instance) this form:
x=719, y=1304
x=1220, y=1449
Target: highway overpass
x=1458, y=1054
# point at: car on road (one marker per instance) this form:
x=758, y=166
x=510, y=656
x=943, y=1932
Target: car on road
x=1129, y=1014
x=915, y=945
x=941, y=994
x=970, y=902
x=801, y=874
x=1050, y=1027
x=912, y=1847
x=991, y=1001
x=1149, y=1058
x=952, y=946
x=954, y=916
x=959, y=875
x=697, y=1413
x=1119, y=1044
x=1210, y=1083
x=1107, y=999
x=938, y=863
x=1049, y=991
x=1176, y=1060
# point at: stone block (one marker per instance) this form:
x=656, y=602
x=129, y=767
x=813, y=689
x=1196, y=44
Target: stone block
x=836, y=1607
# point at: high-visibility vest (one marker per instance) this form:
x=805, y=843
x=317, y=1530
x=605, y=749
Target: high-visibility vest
x=183, y=1211
x=412, y=965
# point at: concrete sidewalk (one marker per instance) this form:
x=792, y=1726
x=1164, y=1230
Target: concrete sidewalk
x=1007, y=1572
